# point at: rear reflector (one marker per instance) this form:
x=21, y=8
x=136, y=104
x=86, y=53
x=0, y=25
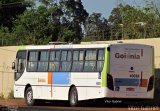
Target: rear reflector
x=130, y=89
x=144, y=82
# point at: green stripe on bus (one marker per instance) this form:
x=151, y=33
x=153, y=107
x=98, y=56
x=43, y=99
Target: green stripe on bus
x=105, y=68
x=22, y=47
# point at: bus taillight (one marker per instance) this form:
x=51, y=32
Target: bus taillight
x=150, y=84
x=110, y=82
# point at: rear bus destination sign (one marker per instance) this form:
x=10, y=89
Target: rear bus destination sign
x=130, y=54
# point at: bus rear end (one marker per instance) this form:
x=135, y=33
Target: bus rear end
x=131, y=70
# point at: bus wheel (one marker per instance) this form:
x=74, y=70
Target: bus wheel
x=29, y=97
x=73, y=97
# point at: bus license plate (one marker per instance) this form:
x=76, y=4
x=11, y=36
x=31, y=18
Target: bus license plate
x=130, y=89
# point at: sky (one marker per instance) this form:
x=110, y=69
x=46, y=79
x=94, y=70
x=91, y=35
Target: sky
x=105, y=6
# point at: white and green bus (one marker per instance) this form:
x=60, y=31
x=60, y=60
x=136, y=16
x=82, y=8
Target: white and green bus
x=84, y=72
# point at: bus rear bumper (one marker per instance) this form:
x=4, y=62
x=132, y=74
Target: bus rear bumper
x=128, y=94
x=138, y=95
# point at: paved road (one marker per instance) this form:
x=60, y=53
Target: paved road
x=85, y=106
x=70, y=109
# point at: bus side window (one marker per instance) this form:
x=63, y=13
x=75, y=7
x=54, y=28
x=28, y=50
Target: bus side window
x=75, y=55
x=54, y=60
x=21, y=61
x=32, y=61
x=57, y=55
x=21, y=65
x=66, y=57
x=89, y=66
x=43, y=61
x=101, y=54
x=81, y=55
x=100, y=60
x=90, y=60
x=77, y=64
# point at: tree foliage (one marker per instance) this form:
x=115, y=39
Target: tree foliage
x=74, y=16
x=5, y=36
x=9, y=9
x=96, y=27
x=64, y=20
x=36, y=27
x=133, y=22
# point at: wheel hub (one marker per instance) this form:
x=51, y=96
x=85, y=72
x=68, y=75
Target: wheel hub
x=29, y=96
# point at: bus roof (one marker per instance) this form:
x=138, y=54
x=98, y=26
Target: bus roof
x=67, y=46
x=70, y=46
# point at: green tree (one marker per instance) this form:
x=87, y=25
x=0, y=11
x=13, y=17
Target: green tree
x=96, y=27
x=152, y=10
x=131, y=22
x=5, y=36
x=115, y=19
x=70, y=17
x=73, y=18
x=36, y=27
x=66, y=35
x=9, y=9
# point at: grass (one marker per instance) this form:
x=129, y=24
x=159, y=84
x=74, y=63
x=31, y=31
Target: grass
x=2, y=96
x=11, y=95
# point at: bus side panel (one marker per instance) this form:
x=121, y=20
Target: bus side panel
x=52, y=86
x=93, y=85
x=79, y=80
x=19, y=91
x=60, y=93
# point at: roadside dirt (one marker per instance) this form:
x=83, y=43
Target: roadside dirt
x=12, y=102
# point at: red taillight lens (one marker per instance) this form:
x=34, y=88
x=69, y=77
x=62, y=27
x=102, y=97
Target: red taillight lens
x=110, y=82
x=151, y=83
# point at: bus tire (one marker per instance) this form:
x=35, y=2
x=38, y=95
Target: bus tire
x=73, y=97
x=29, y=97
